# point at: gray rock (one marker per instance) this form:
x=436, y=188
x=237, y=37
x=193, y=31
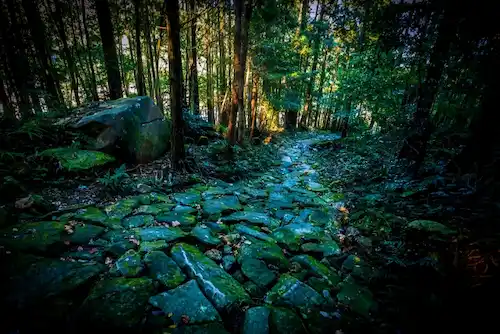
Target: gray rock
x=257, y=271
x=129, y=264
x=164, y=269
x=228, y=262
x=159, y=233
x=187, y=198
x=293, y=235
x=205, y=235
x=186, y=300
x=267, y=252
x=137, y=123
x=138, y=221
x=291, y=292
x=221, y=205
x=32, y=279
x=219, y=287
x=256, y=320
x=157, y=245
x=250, y=217
x=253, y=233
x=118, y=303
x=285, y=321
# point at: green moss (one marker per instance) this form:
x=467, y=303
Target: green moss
x=75, y=160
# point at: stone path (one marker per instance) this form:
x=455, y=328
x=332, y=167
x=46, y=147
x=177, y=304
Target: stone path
x=260, y=256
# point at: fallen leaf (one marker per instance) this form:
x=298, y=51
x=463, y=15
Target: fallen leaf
x=175, y=223
x=185, y=319
x=172, y=326
x=67, y=242
x=80, y=248
x=93, y=250
x=170, y=315
x=108, y=261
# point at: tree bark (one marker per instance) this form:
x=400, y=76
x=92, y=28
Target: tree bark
x=175, y=73
x=109, y=48
x=58, y=18
x=255, y=84
x=141, y=86
x=321, y=83
x=193, y=66
x=223, y=112
x=37, y=30
x=210, y=88
x=93, y=82
x=415, y=147
x=238, y=72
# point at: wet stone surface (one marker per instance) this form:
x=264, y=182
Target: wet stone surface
x=255, y=251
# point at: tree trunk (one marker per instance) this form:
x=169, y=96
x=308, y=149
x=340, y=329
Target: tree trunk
x=17, y=59
x=415, y=146
x=175, y=72
x=304, y=121
x=58, y=18
x=109, y=48
x=255, y=84
x=152, y=62
x=122, y=68
x=193, y=66
x=321, y=83
x=93, y=83
x=238, y=72
x=37, y=30
x=95, y=94
x=242, y=117
x=141, y=86
x=210, y=89
x=223, y=114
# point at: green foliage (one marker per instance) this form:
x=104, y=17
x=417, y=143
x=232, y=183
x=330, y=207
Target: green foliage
x=114, y=181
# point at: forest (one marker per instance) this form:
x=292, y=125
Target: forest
x=249, y=166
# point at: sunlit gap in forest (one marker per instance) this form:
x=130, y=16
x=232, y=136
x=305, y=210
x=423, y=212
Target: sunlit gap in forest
x=249, y=166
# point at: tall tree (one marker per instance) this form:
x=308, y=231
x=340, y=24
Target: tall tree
x=109, y=48
x=175, y=67
x=223, y=114
x=141, y=86
x=210, y=88
x=238, y=72
x=38, y=31
x=415, y=147
x=93, y=82
x=193, y=65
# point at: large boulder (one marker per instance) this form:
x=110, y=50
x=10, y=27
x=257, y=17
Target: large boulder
x=134, y=128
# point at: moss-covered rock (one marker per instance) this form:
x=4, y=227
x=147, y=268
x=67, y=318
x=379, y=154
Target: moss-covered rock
x=267, y=252
x=155, y=209
x=122, y=208
x=257, y=271
x=317, y=268
x=358, y=298
x=159, y=233
x=77, y=160
x=186, y=300
x=285, y=321
x=40, y=278
x=242, y=229
x=82, y=233
x=253, y=218
x=37, y=236
x=116, y=304
x=91, y=214
x=187, y=198
x=293, y=235
x=149, y=246
x=205, y=235
x=326, y=248
x=129, y=264
x=138, y=221
x=291, y=292
x=256, y=320
x=164, y=269
x=217, y=206
x=222, y=289
x=185, y=220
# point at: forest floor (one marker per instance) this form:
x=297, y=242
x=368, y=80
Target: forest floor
x=297, y=237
